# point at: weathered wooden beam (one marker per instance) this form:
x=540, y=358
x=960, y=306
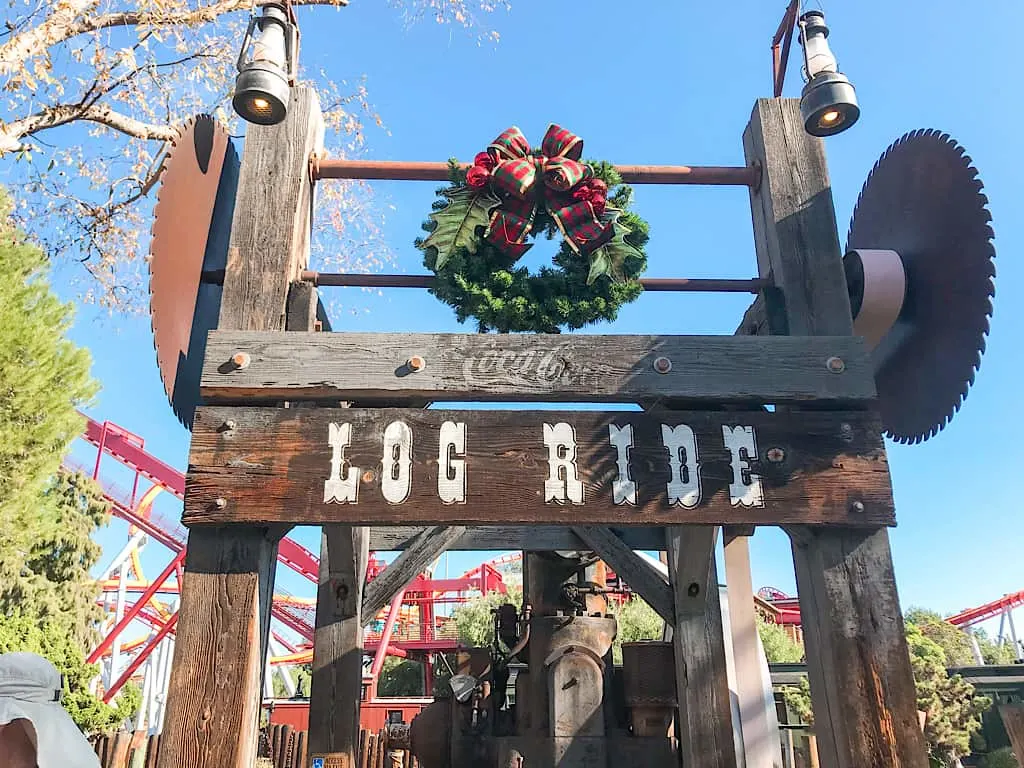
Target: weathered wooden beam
x=214, y=693
x=319, y=465
x=429, y=544
x=862, y=686
x=215, y=690
x=1013, y=719
x=539, y=538
x=338, y=644
x=631, y=568
x=705, y=718
x=858, y=662
x=369, y=368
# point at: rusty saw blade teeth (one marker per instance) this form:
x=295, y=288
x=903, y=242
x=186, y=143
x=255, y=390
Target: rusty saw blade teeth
x=187, y=233
x=924, y=199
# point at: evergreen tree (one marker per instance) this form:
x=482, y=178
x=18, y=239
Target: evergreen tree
x=47, y=597
x=954, y=711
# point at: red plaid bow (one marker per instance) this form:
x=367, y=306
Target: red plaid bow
x=516, y=171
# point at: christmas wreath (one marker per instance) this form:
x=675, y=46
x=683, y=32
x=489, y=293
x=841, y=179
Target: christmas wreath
x=480, y=225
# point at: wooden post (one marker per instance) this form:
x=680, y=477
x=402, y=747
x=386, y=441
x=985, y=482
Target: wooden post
x=222, y=634
x=761, y=748
x=338, y=645
x=862, y=686
x=705, y=716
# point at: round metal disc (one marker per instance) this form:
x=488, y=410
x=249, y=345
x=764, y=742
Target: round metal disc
x=923, y=199
x=192, y=220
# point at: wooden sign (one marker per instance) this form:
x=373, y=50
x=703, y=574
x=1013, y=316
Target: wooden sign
x=380, y=466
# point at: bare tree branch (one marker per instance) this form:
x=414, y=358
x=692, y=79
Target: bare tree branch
x=37, y=39
x=12, y=134
x=67, y=23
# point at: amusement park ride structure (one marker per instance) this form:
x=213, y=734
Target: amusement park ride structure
x=417, y=628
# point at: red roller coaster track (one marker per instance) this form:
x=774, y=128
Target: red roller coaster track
x=129, y=451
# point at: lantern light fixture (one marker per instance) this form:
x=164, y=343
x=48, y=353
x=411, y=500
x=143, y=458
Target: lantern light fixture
x=264, y=81
x=828, y=103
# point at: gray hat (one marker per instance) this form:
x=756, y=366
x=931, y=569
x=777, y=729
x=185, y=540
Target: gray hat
x=30, y=689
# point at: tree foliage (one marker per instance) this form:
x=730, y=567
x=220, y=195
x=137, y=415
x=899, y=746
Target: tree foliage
x=956, y=642
x=93, y=91
x=43, y=376
x=48, y=637
x=953, y=710
x=47, y=597
x=400, y=677
x=474, y=620
x=779, y=647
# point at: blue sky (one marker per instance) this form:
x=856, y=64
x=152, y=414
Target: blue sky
x=674, y=83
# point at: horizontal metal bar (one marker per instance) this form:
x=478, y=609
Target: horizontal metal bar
x=683, y=284
x=738, y=176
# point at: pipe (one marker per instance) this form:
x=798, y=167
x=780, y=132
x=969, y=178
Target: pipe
x=741, y=176
x=385, y=637
x=783, y=36
x=657, y=284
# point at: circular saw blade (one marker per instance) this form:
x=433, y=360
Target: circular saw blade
x=923, y=199
x=192, y=221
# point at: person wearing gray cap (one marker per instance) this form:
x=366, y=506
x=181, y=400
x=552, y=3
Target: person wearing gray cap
x=35, y=729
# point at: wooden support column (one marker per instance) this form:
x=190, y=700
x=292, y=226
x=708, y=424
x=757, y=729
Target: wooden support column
x=338, y=644
x=761, y=745
x=862, y=686
x=705, y=718
x=223, y=628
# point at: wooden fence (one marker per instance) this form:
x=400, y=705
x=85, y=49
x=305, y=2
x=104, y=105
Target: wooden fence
x=281, y=746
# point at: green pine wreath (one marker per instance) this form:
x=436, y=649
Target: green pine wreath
x=479, y=279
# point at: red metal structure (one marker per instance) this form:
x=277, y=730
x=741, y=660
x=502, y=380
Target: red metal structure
x=413, y=625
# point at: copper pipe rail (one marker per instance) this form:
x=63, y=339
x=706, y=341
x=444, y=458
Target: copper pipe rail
x=742, y=176
x=677, y=284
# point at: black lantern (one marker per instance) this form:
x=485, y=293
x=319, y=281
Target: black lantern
x=264, y=81
x=828, y=104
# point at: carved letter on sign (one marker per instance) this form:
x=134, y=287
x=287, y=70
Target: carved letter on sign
x=364, y=466
x=745, y=487
x=563, y=479
x=451, y=476
x=623, y=487
x=336, y=489
x=396, y=480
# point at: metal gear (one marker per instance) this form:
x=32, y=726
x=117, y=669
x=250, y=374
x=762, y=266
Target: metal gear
x=923, y=200
x=191, y=227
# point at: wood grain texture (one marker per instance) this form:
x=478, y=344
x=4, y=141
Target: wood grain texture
x=862, y=687
x=427, y=547
x=498, y=537
x=214, y=692
x=1013, y=719
x=338, y=643
x=794, y=219
x=273, y=465
x=705, y=732
x=858, y=662
x=636, y=572
x=369, y=367
x=270, y=230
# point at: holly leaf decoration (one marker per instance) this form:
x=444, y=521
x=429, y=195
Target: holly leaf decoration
x=457, y=222
x=610, y=257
